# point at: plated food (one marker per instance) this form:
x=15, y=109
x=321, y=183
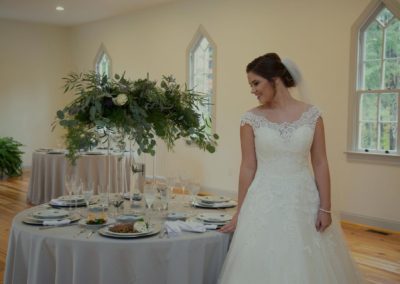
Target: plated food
x=129, y=230
x=95, y=222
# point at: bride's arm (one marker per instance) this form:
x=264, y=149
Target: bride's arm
x=248, y=168
x=321, y=171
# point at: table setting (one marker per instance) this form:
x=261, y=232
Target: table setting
x=69, y=229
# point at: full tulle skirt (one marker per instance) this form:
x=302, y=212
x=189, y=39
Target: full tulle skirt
x=276, y=241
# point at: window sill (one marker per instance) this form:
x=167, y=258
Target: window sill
x=370, y=157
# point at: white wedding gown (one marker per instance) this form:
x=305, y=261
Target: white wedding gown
x=275, y=241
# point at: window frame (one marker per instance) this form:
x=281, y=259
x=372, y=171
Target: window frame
x=101, y=51
x=199, y=34
x=356, y=67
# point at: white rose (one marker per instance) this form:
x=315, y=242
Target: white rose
x=120, y=100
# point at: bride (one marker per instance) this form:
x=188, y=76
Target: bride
x=283, y=226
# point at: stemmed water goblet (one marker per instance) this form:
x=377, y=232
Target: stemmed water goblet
x=77, y=189
x=162, y=188
x=149, y=195
x=193, y=188
x=69, y=186
x=117, y=199
x=88, y=193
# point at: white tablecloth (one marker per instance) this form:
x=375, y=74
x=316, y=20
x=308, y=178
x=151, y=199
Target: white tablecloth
x=57, y=255
x=48, y=172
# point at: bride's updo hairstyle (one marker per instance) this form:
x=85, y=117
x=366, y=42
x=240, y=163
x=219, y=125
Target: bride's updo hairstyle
x=270, y=66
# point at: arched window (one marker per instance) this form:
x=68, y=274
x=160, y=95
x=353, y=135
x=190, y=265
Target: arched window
x=103, y=62
x=375, y=92
x=201, y=56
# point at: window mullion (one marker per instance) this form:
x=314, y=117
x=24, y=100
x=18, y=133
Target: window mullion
x=378, y=125
x=398, y=123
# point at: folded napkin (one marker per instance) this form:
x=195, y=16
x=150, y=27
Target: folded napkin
x=175, y=228
x=56, y=222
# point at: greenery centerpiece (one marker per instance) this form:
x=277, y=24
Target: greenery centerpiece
x=138, y=111
x=10, y=157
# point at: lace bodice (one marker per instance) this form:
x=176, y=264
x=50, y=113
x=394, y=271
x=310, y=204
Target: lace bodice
x=283, y=148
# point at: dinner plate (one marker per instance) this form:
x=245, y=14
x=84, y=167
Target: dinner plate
x=177, y=216
x=50, y=214
x=218, y=205
x=55, y=203
x=211, y=217
x=72, y=198
x=33, y=221
x=152, y=230
x=213, y=199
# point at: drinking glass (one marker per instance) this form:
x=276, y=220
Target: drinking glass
x=162, y=188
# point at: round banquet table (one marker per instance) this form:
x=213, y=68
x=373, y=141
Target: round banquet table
x=48, y=172
x=59, y=255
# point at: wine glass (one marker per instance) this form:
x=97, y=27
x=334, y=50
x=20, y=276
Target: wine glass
x=194, y=189
x=77, y=189
x=117, y=200
x=88, y=193
x=69, y=185
x=149, y=195
x=103, y=198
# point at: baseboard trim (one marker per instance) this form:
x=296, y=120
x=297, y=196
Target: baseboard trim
x=370, y=221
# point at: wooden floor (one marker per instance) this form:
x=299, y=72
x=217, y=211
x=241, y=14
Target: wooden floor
x=377, y=252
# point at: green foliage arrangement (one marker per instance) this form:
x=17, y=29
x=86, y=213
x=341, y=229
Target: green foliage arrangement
x=10, y=157
x=137, y=110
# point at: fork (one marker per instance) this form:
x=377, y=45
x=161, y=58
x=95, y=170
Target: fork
x=80, y=232
x=90, y=234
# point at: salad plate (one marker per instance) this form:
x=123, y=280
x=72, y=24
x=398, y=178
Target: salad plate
x=213, y=199
x=50, y=214
x=218, y=205
x=130, y=217
x=33, y=221
x=210, y=217
x=72, y=198
x=177, y=216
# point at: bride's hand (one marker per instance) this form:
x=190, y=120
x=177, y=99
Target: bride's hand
x=324, y=220
x=230, y=227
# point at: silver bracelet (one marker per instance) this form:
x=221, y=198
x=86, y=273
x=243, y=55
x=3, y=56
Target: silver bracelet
x=325, y=211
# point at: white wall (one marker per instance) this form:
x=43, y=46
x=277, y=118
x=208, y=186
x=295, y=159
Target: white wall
x=33, y=58
x=315, y=34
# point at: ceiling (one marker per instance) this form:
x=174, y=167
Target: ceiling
x=76, y=11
